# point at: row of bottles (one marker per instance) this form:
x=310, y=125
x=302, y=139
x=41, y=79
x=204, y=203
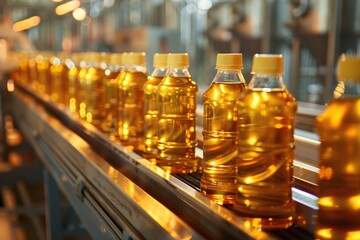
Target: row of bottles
x=153, y=115
x=248, y=129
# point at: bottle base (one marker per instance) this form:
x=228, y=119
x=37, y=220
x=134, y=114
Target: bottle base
x=178, y=166
x=223, y=194
x=227, y=199
x=266, y=221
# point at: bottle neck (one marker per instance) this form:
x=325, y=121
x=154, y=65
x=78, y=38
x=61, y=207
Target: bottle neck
x=159, y=72
x=136, y=68
x=227, y=76
x=347, y=89
x=179, y=72
x=267, y=83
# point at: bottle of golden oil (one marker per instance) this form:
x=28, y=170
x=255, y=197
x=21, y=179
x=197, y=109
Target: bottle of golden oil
x=218, y=180
x=24, y=68
x=33, y=73
x=115, y=67
x=95, y=102
x=43, y=69
x=59, y=79
x=339, y=159
x=82, y=95
x=74, y=82
x=266, y=113
x=120, y=78
x=177, y=94
x=132, y=102
x=151, y=104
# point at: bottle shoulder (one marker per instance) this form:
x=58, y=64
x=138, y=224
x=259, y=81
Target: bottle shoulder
x=154, y=80
x=265, y=100
x=134, y=78
x=224, y=91
x=177, y=81
x=341, y=111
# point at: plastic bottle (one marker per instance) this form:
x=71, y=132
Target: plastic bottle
x=339, y=159
x=24, y=68
x=95, y=102
x=33, y=73
x=74, y=82
x=44, y=76
x=132, y=102
x=84, y=66
x=59, y=79
x=115, y=67
x=151, y=104
x=218, y=180
x=266, y=113
x=120, y=78
x=177, y=117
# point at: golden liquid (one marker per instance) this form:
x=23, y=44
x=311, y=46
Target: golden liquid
x=82, y=92
x=120, y=78
x=265, y=156
x=94, y=100
x=110, y=125
x=74, y=88
x=24, y=69
x=339, y=163
x=59, y=83
x=218, y=181
x=335, y=232
x=44, y=76
x=132, y=110
x=33, y=74
x=177, y=125
x=151, y=116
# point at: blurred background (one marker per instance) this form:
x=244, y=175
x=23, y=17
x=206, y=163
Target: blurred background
x=311, y=34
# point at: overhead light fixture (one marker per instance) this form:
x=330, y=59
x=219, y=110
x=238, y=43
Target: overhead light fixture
x=57, y=1
x=26, y=23
x=79, y=14
x=67, y=7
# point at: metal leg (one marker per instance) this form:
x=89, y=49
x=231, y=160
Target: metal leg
x=3, y=146
x=52, y=208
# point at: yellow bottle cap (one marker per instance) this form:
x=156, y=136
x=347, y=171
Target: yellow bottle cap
x=229, y=61
x=178, y=60
x=136, y=58
x=349, y=68
x=160, y=60
x=268, y=64
x=116, y=59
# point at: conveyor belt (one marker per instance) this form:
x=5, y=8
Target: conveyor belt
x=179, y=193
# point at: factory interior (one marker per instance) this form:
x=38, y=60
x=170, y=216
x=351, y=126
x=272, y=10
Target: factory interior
x=62, y=176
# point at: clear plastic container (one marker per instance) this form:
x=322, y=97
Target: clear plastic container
x=266, y=114
x=177, y=117
x=115, y=67
x=218, y=181
x=131, y=130
x=95, y=103
x=151, y=104
x=339, y=159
